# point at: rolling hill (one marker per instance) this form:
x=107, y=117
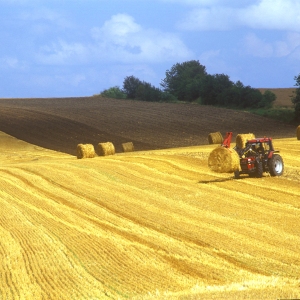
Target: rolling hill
x=151, y=224
x=61, y=123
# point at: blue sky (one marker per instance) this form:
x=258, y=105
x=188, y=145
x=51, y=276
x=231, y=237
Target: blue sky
x=64, y=48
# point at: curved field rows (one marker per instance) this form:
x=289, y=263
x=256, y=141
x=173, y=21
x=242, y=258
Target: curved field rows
x=145, y=225
x=60, y=124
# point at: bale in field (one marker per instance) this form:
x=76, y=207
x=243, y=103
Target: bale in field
x=223, y=160
x=241, y=139
x=128, y=147
x=85, y=151
x=215, y=138
x=298, y=132
x=105, y=149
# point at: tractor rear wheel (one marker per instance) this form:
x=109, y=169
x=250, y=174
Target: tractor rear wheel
x=276, y=165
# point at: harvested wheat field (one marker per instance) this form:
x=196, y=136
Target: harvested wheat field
x=149, y=224
x=145, y=225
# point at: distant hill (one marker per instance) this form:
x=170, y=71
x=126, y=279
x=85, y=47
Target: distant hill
x=283, y=95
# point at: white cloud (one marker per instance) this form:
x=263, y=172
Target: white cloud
x=263, y=14
x=63, y=53
x=255, y=46
x=120, y=39
x=40, y=14
x=119, y=26
x=272, y=14
x=209, y=3
x=44, y=19
x=128, y=42
x=214, y=18
x=12, y=63
x=216, y=63
x=288, y=46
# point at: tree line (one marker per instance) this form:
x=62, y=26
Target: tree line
x=190, y=82
x=296, y=98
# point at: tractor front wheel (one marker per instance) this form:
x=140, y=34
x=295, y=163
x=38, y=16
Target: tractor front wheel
x=259, y=169
x=276, y=165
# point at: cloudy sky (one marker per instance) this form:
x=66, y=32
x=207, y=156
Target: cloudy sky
x=53, y=48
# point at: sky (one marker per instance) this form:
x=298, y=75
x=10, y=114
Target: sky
x=74, y=48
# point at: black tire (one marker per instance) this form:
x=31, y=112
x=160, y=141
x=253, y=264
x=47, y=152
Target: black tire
x=276, y=165
x=259, y=169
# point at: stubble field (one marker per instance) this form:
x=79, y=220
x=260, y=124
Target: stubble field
x=151, y=224
x=283, y=96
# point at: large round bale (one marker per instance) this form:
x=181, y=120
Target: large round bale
x=128, y=147
x=85, y=151
x=105, y=149
x=215, y=138
x=298, y=132
x=223, y=160
x=241, y=139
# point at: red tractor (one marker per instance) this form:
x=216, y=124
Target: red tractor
x=257, y=157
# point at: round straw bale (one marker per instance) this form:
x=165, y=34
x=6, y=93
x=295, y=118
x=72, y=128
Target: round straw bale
x=105, y=149
x=128, y=147
x=298, y=132
x=241, y=139
x=215, y=138
x=223, y=160
x=85, y=151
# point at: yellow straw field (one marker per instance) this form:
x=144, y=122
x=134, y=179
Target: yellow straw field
x=145, y=225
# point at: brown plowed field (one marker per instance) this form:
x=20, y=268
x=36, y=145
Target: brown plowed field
x=60, y=124
x=150, y=224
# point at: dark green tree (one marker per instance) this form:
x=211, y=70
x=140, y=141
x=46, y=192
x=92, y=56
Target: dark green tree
x=148, y=92
x=216, y=90
x=134, y=88
x=268, y=99
x=296, y=98
x=183, y=80
x=250, y=97
x=130, y=86
x=234, y=95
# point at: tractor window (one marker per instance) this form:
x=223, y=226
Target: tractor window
x=266, y=146
x=259, y=147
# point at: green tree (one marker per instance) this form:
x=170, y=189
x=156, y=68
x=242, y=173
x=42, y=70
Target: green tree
x=134, y=88
x=183, y=80
x=234, y=95
x=113, y=92
x=216, y=90
x=130, y=86
x=148, y=92
x=296, y=98
x=250, y=97
x=267, y=99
